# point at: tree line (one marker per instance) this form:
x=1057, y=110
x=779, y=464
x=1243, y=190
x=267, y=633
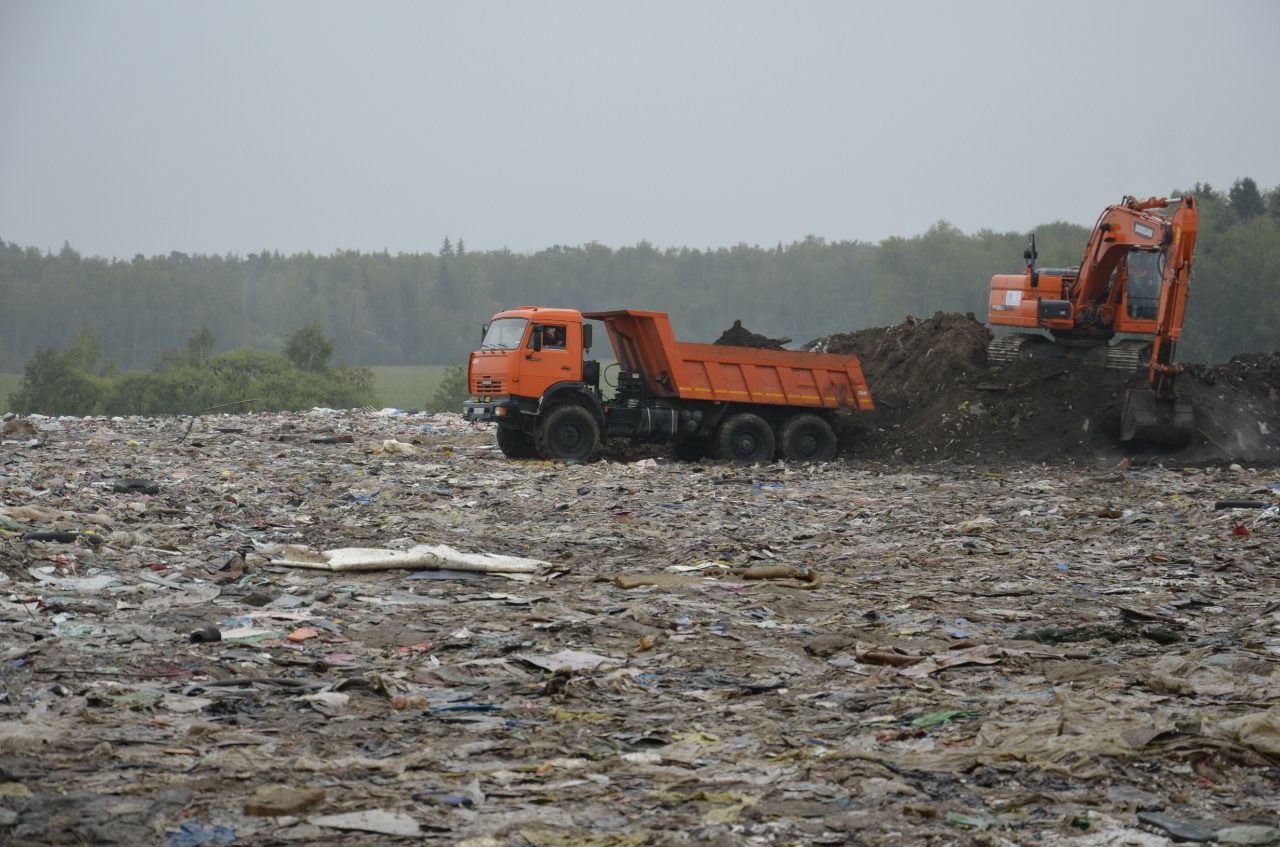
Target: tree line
x=426, y=308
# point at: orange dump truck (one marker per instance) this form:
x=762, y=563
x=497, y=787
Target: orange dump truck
x=532, y=376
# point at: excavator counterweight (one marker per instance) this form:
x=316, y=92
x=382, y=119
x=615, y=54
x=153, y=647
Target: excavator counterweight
x=1133, y=279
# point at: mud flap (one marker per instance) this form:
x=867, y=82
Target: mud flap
x=1149, y=419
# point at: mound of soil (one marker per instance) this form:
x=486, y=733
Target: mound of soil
x=739, y=336
x=908, y=364
x=936, y=398
x=1237, y=406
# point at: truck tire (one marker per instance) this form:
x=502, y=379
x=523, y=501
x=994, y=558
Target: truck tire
x=807, y=438
x=568, y=433
x=515, y=443
x=746, y=438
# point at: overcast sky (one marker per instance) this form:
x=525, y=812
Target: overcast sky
x=130, y=127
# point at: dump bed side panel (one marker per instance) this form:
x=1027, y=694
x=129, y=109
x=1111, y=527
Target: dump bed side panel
x=644, y=340
x=775, y=377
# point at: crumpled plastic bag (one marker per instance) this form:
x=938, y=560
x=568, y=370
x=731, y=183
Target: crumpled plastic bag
x=1259, y=731
x=1068, y=737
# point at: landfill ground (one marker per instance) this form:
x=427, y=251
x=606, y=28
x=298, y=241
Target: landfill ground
x=985, y=623
x=939, y=654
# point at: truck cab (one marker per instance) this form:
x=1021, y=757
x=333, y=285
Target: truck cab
x=527, y=354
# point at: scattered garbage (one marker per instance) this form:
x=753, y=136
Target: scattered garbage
x=1247, y=834
x=781, y=572
x=193, y=834
x=333, y=439
x=381, y=821
x=1259, y=731
x=1240, y=504
x=208, y=633
x=1178, y=829
x=572, y=660
x=394, y=447
x=136, y=486
x=58, y=536
x=279, y=800
x=299, y=643
x=938, y=718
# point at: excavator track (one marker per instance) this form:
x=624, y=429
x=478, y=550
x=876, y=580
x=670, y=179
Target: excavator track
x=1011, y=348
x=1131, y=354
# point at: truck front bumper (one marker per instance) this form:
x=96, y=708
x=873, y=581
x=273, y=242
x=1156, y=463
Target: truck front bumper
x=485, y=409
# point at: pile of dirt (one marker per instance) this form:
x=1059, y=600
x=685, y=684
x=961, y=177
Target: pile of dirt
x=937, y=398
x=908, y=364
x=739, y=336
x=1238, y=406
x=1034, y=411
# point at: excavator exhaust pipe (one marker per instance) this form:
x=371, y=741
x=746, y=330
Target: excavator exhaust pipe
x=1150, y=419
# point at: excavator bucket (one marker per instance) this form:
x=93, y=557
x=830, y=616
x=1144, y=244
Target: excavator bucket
x=1153, y=420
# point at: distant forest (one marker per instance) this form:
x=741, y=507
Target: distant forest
x=427, y=308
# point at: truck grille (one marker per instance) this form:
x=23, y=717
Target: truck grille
x=487, y=385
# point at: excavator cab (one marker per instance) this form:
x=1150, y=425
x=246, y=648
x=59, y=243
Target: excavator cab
x=1144, y=268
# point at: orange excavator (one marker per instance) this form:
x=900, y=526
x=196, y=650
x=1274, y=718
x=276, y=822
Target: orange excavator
x=1132, y=279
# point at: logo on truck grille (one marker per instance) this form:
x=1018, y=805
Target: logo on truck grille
x=487, y=385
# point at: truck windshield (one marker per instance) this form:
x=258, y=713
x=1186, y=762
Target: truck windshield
x=504, y=334
x=1144, y=283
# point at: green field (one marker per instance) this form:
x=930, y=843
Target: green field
x=406, y=386
x=9, y=383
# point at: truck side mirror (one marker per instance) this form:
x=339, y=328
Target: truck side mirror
x=484, y=330
x=536, y=341
x=586, y=336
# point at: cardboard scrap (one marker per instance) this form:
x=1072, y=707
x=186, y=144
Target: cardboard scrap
x=983, y=654
x=573, y=660
x=657, y=580
x=421, y=557
x=381, y=821
x=276, y=800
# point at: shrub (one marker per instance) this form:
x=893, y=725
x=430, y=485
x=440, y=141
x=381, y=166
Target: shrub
x=452, y=392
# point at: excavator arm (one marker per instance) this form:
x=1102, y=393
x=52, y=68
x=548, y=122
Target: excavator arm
x=1155, y=413
x=1174, y=287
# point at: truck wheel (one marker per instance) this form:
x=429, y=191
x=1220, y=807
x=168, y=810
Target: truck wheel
x=515, y=443
x=568, y=433
x=745, y=437
x=807, y=438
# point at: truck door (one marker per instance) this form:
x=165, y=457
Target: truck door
x=559, y=360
